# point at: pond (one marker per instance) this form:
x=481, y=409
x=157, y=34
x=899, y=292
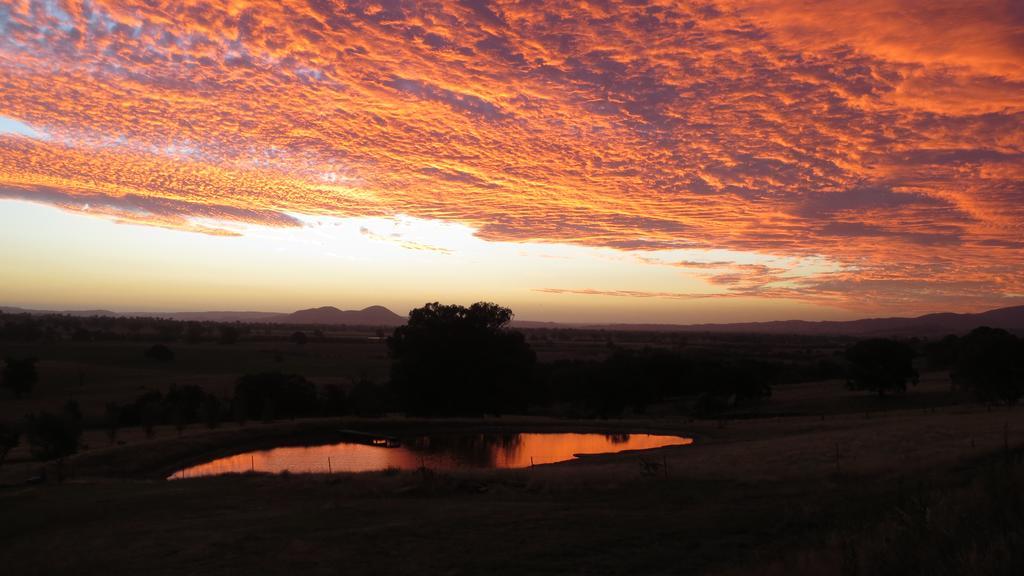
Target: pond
x=360, y=452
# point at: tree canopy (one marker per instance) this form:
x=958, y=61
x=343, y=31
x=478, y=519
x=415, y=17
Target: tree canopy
x=990, y=361
x=881, y=365
x=452, y=360
x=269, y=395
x=55, y=435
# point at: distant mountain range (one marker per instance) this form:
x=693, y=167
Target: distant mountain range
x=1011, y=319
x=371, y=316
x=928, y=325
x=16, y=310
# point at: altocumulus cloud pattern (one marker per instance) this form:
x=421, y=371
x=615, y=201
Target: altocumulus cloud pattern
x=883, y=136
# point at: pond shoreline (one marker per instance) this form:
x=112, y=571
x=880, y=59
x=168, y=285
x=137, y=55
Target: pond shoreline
x=352, y=451
x=159, y=458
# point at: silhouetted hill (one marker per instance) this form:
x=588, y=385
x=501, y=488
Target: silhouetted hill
x=539, y=324
x=1011, y=318
x=16, y=310
x=371, y=316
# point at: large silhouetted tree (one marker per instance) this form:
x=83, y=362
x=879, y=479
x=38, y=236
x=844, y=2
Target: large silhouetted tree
x=881, y=365
x=990, y=361
x=452, y=360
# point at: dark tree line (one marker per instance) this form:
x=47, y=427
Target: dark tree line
x=50, y=327
x=265, y=396
x=987, y=361
x=452, y=360
x=49, y=435
x=457, y=361
x=635, y=379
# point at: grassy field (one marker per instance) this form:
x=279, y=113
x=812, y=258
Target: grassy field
x=94, y=373
x=815, y=480
x=747, y=495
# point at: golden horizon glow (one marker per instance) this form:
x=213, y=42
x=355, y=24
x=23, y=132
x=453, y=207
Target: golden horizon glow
x=865, y=157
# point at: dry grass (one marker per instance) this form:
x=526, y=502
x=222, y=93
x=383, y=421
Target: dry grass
x=767, y=489
x=828, y=488
x=970, y=522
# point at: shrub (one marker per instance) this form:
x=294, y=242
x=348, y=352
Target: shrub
x=20, y=375
x=53, y=436
x=160, y=353
x=8, y=441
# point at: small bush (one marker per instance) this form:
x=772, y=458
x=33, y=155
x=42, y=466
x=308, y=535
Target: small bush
x=19, y=375
x=160, y=353
x=8, y=441
x=53, y=436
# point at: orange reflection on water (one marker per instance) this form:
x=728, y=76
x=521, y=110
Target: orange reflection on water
x=548, y=448
x=439, y=452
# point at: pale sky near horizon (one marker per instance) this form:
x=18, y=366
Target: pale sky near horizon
x=618, y=161
x=64, y=260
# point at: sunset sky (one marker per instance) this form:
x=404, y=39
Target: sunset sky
x=605, y=161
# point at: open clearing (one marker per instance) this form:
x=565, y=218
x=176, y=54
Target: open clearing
x=748, y=489
x=777, y=486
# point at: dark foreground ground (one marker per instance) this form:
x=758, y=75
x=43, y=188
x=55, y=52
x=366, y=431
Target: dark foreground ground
x=254, y=525
x=818, y=480
x=904, y=492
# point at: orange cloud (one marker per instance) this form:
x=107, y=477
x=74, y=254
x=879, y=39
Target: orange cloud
x=883, y=136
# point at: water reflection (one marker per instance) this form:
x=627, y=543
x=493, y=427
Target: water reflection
x=437, y=451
